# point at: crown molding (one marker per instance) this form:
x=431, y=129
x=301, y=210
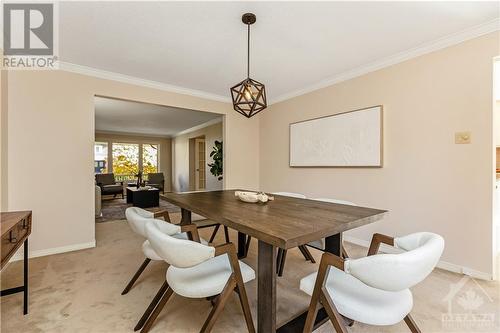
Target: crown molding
x=198, y=127
x=441, y=43
x=107, y=75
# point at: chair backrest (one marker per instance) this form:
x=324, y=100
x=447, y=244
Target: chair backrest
x=105, y=178
x=395, y=272
x=180, y=253
x=137, y=218
x=291, y=194
x=156, y=178
x=337, y=201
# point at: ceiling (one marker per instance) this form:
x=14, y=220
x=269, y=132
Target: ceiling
x=201, y=46
x=112, y=115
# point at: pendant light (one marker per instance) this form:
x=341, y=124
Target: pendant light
x=249, y=96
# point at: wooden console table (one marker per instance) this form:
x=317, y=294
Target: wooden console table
x=15, y=228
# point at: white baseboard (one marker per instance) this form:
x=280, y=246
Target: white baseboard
x=441, y=264
x=54, y=250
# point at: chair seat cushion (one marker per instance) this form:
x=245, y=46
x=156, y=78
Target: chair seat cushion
x=112, y=188
x=148, y=251
x=206, y=279
x=360, y=302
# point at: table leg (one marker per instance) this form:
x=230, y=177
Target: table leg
x=266, y=288
x=25, y=293
x=333, y=244
x=242, y=240
x=186, y=216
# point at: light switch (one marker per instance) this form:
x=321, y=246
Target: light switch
x=462, y=138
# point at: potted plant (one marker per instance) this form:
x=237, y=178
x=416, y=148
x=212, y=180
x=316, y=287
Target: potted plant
x=216, y=155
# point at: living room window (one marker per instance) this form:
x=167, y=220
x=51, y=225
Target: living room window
x=101, y=157
x=125, y=159
x=149, y=158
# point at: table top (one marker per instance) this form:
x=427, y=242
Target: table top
x=135, y=189
x=285, y=222
x=10, y=219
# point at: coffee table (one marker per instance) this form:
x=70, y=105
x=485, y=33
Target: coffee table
x=143, y=198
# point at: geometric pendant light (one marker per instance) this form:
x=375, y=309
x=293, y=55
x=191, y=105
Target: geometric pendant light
x=249, y=96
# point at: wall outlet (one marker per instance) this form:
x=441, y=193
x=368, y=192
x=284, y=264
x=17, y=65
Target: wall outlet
x=462, y=138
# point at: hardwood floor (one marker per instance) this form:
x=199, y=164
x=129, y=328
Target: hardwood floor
x=81, y=292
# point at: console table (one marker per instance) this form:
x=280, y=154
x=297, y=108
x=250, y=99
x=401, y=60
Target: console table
x=15, y=228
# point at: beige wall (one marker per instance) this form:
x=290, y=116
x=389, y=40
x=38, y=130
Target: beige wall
x=428, y=183
x=48, y=109
x=165, y=152
x=182, y=177
x=3, y=137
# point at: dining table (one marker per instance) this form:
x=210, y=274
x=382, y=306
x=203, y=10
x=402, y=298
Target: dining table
x=285, y=223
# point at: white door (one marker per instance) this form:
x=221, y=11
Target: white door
x=199, y=163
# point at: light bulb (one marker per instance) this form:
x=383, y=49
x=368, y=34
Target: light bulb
x=247, y=93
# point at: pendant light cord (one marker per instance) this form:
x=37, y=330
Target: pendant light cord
x=248, y=51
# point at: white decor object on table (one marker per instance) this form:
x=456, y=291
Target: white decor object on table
x=349, y=139
x=252, y=197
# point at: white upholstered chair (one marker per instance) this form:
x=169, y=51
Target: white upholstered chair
x=200, y=271
x=373, y=290
x=137, y=219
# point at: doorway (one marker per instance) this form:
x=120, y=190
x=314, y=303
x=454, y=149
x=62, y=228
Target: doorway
x=141, y=147
x=199, y=163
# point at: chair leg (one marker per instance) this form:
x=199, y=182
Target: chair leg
x=157, y=310
x=247, y=245
x=136, y=276
x=412, y=324
x=333, y=314
x=282, y=263
x=308, y=254
x=226, y=234
x=345, y=255
x=278, y=259
x=219, y=305
x=214, y=233
x=151, y=306
x=304, y=253
x=245, y=306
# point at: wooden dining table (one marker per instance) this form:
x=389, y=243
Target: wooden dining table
x=284, y=223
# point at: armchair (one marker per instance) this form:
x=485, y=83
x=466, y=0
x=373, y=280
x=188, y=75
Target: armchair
x=156, y=180
x=108, y=185
x=200, y=271
x=373, y=290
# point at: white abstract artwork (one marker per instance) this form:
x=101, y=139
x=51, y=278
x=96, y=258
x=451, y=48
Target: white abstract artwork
x=350, y=139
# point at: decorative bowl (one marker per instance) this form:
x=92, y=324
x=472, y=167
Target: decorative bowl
x=251, y=197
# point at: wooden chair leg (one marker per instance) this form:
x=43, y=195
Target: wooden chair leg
x=308, y=253
x=279, y=255
x=214, y=233
x=151, y=306
x=247, y=245
x=282, y=263
x=333, y=314
x=412, y=325
x=157, y=310
x=345, y=255
x=219, y=305
x=245, y=306
x=226, y=234
x=136, y=276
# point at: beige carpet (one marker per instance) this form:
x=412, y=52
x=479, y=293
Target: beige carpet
x=80, y=292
